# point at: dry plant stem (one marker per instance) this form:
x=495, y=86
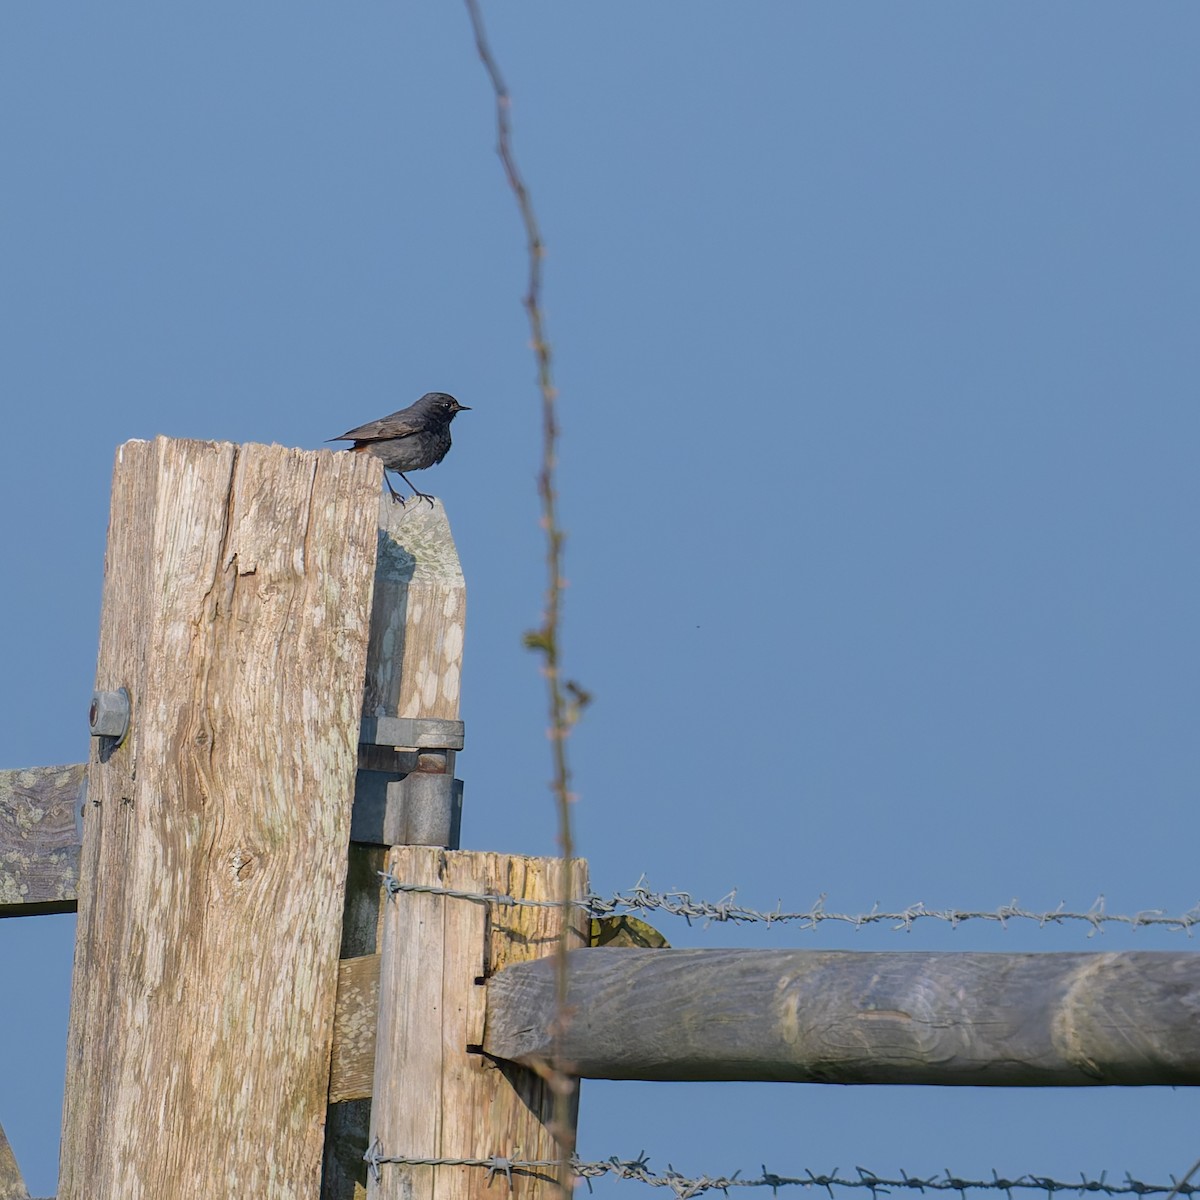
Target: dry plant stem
x=547, y=637
x=1184, y=1181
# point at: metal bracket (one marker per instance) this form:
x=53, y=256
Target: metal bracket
x=417, y=733
x=396, y=802
x=412, y=810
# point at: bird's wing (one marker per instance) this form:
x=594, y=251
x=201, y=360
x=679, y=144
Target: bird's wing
x=398, y=425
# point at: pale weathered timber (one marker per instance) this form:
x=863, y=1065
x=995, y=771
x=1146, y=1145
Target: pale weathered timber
x=418, y=618
x=39, y=842
x=352, y=1069
x=236, y=610
x=826, y=1016
x=12, y=1185
x=414, y=666
x=435, y=1095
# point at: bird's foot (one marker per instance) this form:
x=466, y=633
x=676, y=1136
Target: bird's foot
x=417, y=493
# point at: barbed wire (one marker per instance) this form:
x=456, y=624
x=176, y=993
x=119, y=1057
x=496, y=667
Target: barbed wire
x=642, y=899
x=685, y=1187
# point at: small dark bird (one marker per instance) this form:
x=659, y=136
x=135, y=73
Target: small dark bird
x=412, y=439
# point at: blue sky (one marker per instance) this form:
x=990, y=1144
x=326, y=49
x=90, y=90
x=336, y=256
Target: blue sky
x=875, y=327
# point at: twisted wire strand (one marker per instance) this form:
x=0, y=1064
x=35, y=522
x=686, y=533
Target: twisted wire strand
x=643, y=899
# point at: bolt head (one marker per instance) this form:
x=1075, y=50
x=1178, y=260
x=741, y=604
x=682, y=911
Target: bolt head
x=109, y=714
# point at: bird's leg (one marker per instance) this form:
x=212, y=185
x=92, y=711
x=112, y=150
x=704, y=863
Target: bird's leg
x=395, y=494
x=419, y=495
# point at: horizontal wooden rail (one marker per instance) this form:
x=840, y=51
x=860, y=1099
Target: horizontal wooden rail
x=826, y=1016
x=39, y=838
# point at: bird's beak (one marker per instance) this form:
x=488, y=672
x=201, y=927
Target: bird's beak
x=461, y=407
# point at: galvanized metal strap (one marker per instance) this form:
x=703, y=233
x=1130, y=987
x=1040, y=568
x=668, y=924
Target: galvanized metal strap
x=420, y=733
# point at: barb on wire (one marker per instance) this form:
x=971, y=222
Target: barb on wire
x=641, y=899
x=1185, y=1181
x=685, y=1187
x=495, y=1165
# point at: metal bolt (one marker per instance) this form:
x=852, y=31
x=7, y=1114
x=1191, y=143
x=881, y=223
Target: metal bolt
x=109, y=714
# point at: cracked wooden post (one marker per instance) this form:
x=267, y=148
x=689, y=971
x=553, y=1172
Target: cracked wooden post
x=236, y=608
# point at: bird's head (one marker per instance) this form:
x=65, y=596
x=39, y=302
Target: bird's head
x=442, y=402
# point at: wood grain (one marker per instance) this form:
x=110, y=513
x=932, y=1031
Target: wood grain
x=414, y=666
x=39, y=842
x=236, y=610
x=816, y=1016
x=435, y=1095
x=418, y=620
x=414, y=663
x=352, y=1067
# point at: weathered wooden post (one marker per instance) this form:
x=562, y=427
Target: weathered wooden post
x=276, y=709
x=236, y=612
x=277, y=697
x=438, y=951
x=414, y=664
x=407, y=1072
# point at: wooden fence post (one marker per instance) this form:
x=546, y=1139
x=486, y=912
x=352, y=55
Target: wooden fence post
x=414, y=664
x=237, y=594
x=436, y=1096
x=425, y=1082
